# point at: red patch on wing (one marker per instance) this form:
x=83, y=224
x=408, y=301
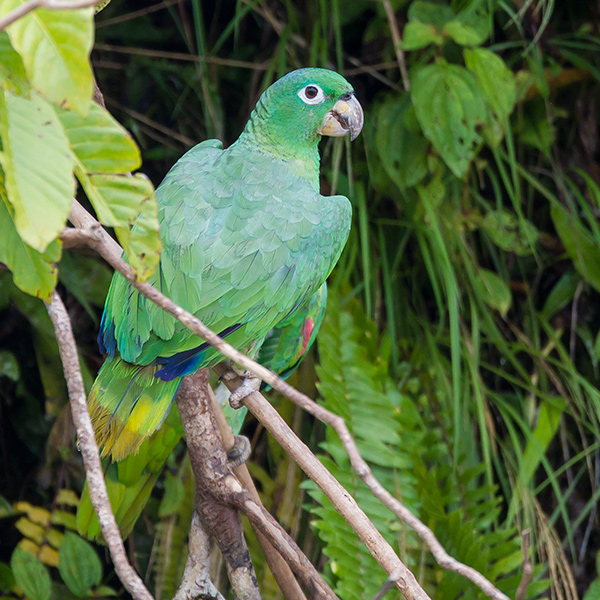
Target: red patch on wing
x=307, y=329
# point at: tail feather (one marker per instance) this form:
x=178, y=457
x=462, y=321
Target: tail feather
x=128, y=404
x=130, y=481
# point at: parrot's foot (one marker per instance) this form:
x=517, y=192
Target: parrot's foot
x=239, y=453
x=234, y=371
x=250, y=385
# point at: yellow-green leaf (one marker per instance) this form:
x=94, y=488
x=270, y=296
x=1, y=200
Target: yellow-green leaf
x=38, y=168
x=418, y=35
x=12, y=71
x=55, y=46
x=493, y=290
x=33, y=272
x=127, y=203
x=99, y=142
x=463, y=34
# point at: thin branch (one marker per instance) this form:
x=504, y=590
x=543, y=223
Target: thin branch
x=343, y=502
x=213, y=483
x=183, y=56
x=89, y=450
x=196, y=582
x=26, y=8
x=279, y=567
x=397, y=41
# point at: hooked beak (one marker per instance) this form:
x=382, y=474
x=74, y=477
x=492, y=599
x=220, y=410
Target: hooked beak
x=346, y=117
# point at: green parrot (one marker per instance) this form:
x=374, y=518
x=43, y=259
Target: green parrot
x=247, y=241
x=130, y=481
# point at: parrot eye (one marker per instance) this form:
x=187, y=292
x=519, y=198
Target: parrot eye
x=311, y=94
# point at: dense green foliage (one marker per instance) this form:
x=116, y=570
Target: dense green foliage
x=461, y=341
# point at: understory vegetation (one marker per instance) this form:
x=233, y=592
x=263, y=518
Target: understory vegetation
x=461, y=341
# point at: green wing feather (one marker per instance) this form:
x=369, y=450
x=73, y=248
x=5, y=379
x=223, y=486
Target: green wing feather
x=130, y=481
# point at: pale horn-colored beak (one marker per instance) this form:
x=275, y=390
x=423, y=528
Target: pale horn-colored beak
x=346, y=117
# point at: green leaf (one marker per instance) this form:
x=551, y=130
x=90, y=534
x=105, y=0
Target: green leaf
x=581, y=246
x=562, y=293
x=493, y=290
x=38, y=168
x=463, y=34
x=127, y=203
x=9, y=366
x=33, y=272
x=12, y=71
x=403, y=151
x=78, y=564
x=7, y=580
x=99, y=142
x=174, y=495
x=31, y=575
x=418, y=35
x=449, y=106
x=509, y=233
x=499, y=88
x=593, y=592
x=55, y=46
x=428, y=12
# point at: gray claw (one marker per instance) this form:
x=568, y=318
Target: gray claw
x=240, y=451
x=249, y=386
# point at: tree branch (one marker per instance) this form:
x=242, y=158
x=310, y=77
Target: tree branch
x=196, y=582
x=26, y=8
x=89, y=450
x=214, y=482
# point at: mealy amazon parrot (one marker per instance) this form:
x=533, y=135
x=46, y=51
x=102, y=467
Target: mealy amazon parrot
x=247, y=240
x=130, y=481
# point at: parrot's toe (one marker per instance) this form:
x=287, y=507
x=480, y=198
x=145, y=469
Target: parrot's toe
x=250, y=385
x=239, y=453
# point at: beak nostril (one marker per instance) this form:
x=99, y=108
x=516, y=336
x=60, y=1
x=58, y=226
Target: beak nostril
x=346, y=96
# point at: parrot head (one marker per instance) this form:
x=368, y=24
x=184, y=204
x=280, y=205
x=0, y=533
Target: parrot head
x=304, y=105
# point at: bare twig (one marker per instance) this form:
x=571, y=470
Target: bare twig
x=527, y=567
x=111, y=252
x=184, y=56
x=397, y=41
x=89, y=450
x=213, y=483
x=26, y=8
x=196, y=582
x=279, y=567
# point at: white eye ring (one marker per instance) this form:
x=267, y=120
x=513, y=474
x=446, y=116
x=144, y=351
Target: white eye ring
x=308, y=96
